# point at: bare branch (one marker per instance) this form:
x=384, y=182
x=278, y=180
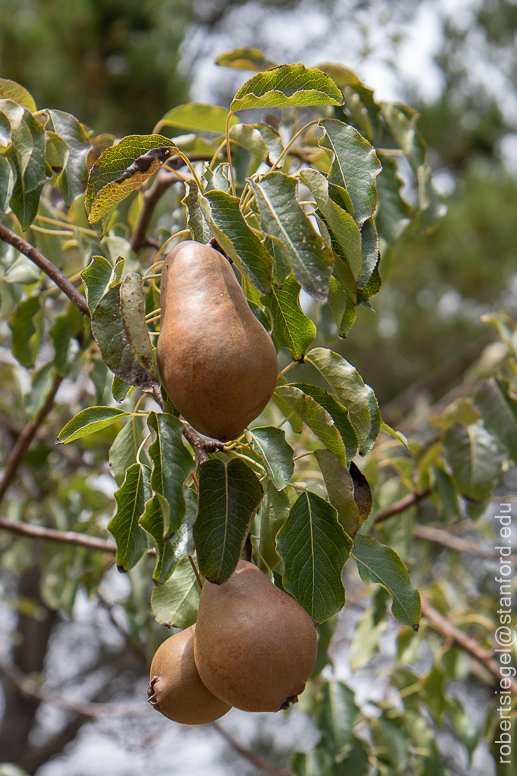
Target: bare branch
x=404, y=503
x=25, y=439
x=164, y=179
x=61, y=537
x=55, y=274
x=440, y=536
x=257, y=759
x=29, y=687
x=452, y=634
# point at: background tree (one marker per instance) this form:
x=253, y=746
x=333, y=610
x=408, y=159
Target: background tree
x=59, y=488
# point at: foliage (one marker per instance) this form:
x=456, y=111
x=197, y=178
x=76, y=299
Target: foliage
x=304, y=207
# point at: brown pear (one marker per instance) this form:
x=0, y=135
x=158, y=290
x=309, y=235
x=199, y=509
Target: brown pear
x=175, y=688
x=255, y=646
x=216, y=361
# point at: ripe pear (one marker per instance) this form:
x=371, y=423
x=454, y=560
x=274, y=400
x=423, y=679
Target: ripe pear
x=216, y=361
x=175, y=688
x=254, y=646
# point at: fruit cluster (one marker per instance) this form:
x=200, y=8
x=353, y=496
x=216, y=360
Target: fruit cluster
x=253, y=647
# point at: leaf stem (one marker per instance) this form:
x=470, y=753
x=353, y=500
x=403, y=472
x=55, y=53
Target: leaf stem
x=196, y=572
x=292, y=140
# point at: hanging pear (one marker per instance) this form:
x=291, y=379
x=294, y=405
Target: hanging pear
x=175, y=688
x=254, y=646
x=216, y=361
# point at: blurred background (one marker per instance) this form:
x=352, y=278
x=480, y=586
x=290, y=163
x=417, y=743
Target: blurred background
x=119, y=66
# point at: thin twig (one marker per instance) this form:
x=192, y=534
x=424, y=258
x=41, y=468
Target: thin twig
x=201, y=446
x=257, y=759
x=61, y=537
x=440, y=536
x=196, y=572
x=164, y=179
x=28, y=686
x=441, y=625
x=50, y=269
x=404, y=503
x=25, y=439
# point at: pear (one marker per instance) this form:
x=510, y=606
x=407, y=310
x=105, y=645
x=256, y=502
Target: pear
x=175, y=688
x=216, y=361
x=254, y=646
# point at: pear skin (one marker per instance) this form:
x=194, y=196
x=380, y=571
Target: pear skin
x=216, y=361
x=175, y=688
x=254, y=646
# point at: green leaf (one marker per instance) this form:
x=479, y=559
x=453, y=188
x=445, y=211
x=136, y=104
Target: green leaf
x=295, y=420
x=26, y=152
x=10, y=90
x=342, y=307
x=277, y=455
x=340, y=223
x=237, y=239
x=376, y=421
x=229, y=495
x=26, y=324
x=132, y=541
x=340, y=490
x=246, y=58
x=499, y=412
x=359, y=101
x=274, y=510
x=261, y=140
x=6, y=189
x=475, y=458
x=355, y=166
x=172, y=464
x=338, y=714
x=314, y=548
x=378, y=563
x=283, y=219
x=395, y=434
x=287, y=86
x=169, y=553
x=176, y=602
x=65, y=347
x=114, y=346
x=318, y=762
x=362, y=492
x=315, y=416
x=73, y=178
x=393, y=213
x=402, y=122
x=348, y=386
x=291, y=327
x=197, y=223
x=122, y=453
x=119, y=389
x=197, y=117
x=89, y=421
x=121, y=169
x=132, y=312
x=97, y=277
x=338, y=414
x=370, y=251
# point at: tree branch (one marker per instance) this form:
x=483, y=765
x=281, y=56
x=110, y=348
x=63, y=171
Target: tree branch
x=28, y=686
x=25, y=439
x=55, y=274
x=450, y=633
x=164, y=179
x=61, y=537
x=257, y=759
x=440, y=536
x=201, y=446
x=400, y=506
